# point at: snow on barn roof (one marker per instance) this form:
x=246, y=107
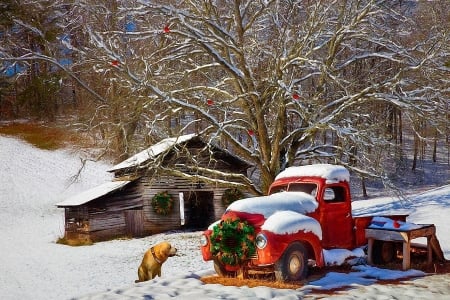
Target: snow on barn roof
x=93, y=193
x=151, y=152
x=332, y=173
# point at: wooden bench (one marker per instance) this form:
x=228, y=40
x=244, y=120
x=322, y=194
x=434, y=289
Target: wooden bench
x=405, y=236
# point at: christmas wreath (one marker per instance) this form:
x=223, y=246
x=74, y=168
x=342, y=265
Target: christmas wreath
x=162, y=203
x=233, y=241
x=231, y=195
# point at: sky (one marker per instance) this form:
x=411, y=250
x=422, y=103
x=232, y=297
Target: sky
x=33, y=266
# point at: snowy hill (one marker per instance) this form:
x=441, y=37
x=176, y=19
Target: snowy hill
x=33, y=266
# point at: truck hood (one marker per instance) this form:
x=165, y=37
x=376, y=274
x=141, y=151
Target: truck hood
x=290, y=222
x=298, y=202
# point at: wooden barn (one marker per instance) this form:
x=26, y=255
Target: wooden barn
x=178, y=183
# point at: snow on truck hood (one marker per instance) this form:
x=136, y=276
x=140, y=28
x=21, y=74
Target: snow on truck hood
x=298, y=202
x=290, y=222
x=331, y=173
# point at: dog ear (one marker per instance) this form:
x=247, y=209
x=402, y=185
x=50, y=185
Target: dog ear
x=162, y=251
x=166, y=249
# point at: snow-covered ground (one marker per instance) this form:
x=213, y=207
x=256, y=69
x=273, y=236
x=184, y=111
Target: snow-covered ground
x=33, y=266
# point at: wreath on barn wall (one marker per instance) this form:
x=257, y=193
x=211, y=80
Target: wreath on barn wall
x=231, y=195
x=162, y=203
x=232, y=242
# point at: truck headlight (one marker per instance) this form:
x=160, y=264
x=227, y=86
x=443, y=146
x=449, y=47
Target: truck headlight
x=261, y=240
x=203, y=240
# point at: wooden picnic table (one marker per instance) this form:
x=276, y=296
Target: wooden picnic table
x=405, y=236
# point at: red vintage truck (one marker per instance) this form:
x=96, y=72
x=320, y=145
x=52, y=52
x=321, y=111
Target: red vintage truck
x=308, y=210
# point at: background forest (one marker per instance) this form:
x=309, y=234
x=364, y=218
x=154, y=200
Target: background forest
x=361, y=83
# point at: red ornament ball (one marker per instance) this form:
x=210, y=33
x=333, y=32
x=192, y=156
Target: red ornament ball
x=396, y=224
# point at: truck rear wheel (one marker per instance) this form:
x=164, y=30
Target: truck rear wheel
x=383, y=252
x=293, y=264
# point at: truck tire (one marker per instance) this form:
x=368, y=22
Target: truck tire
x=383, y=252
x=220, y=270
x=293, y=264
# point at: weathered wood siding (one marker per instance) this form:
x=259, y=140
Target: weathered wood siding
x=104, y=218
x=107, y=214
x=134, y=222
x=175, y=185
x=155, y=223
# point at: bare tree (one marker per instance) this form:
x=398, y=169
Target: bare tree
x=270, y=78
x=278, y=82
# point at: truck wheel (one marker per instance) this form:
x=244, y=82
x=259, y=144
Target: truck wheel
x=293, y=264
x=383, y=252
x=220, y=270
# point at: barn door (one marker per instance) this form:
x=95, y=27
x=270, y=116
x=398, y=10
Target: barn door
x=134, y=222
x=199, y=209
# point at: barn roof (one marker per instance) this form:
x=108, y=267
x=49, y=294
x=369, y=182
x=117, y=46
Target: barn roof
x=151, y=152
x=93, y=193
x=164, y=145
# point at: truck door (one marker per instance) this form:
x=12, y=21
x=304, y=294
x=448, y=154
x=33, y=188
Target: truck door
x=336, y=219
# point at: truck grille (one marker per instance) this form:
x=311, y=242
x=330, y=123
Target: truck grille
x=233, y=243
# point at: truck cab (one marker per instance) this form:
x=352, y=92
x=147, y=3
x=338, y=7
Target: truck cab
x=334, y=205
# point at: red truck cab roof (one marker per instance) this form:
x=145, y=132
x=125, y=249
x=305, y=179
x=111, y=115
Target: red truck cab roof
x=315, y=174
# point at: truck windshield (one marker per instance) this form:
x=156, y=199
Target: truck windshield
x=306, y=187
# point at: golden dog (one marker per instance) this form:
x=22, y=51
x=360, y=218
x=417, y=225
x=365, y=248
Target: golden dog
x=153, y=260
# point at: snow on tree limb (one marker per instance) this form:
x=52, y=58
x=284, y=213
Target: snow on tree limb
x=277, y=82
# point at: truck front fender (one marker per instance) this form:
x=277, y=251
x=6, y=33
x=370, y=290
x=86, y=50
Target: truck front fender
x=205, y=245
x=277, y=245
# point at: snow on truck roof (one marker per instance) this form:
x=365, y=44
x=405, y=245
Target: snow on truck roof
x=332, y=173
x=267, y=205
